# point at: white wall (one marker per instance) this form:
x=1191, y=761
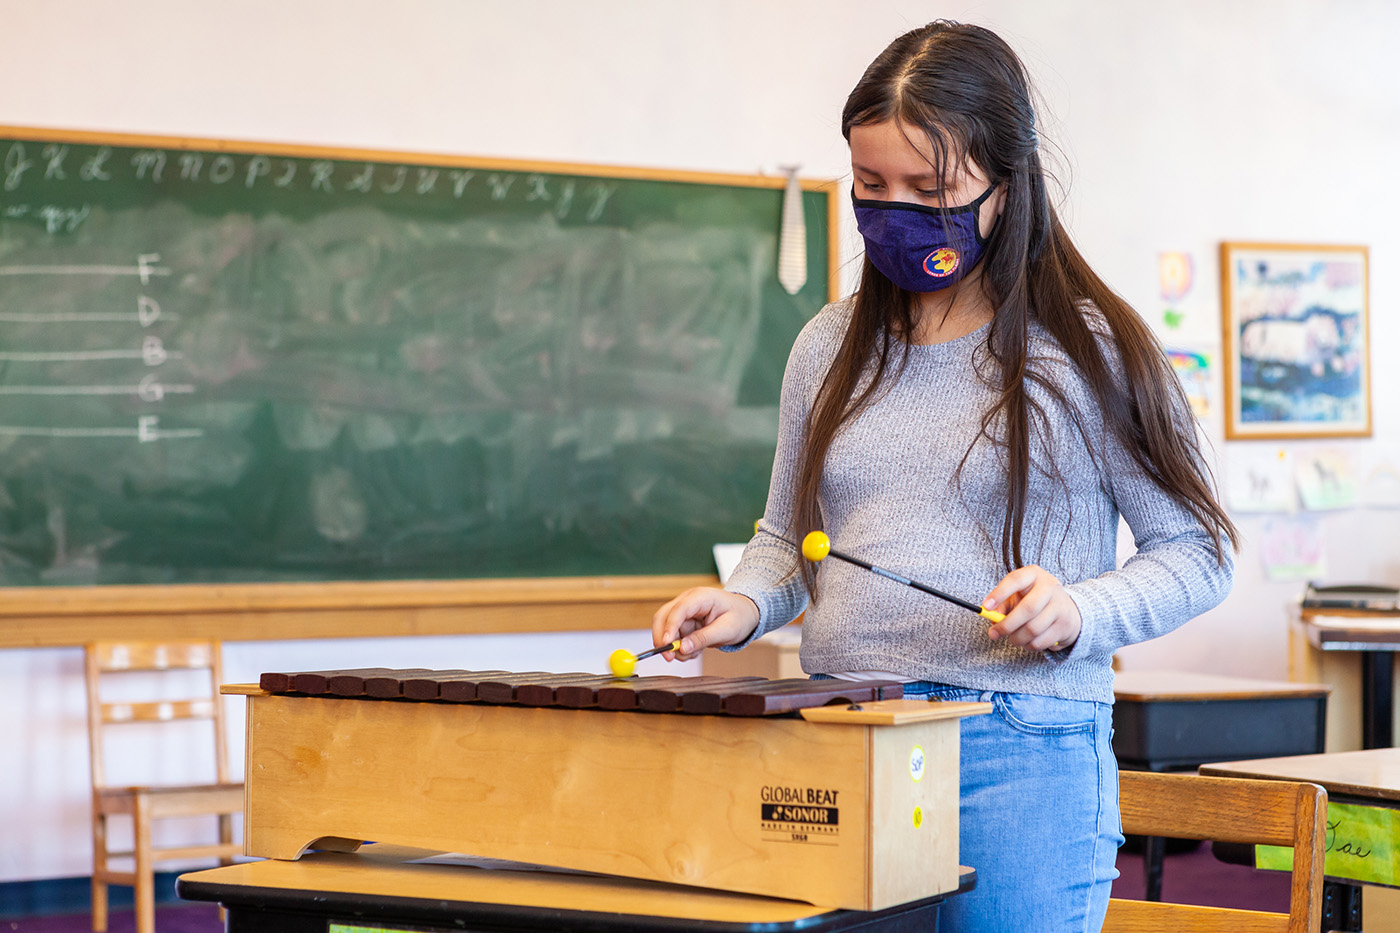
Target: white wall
x=1183, y=124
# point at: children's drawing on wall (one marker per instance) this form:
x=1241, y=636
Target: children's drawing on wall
x=1193, y=369
x=1291, y=548
x=1326, y=479
x=1175, y=272
x=1295, y=328
x=1184, y=322
x=1259, y=479
x=1379, y=472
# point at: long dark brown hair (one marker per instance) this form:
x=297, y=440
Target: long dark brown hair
x=965, y=88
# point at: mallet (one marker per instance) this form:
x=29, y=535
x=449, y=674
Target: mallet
x=816, y=547
x=623, y=663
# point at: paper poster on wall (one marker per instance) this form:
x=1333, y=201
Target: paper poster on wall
x=1194, y=371
x=1361, y=845
x=1259, y=479
x=727, y=558
x=1182, y=320
x=1378, y=471
x=1175, y=272
x=1326, y=479
x=1292, y=548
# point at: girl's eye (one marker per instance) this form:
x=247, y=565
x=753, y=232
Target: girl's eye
x=871, y=185
x=928, y=192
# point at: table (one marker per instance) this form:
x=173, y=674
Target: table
x=1368, y=778
x=382, y=889
x=1375, y=635
x=1178, y=720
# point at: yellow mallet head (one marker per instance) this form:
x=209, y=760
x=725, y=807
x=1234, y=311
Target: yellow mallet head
x=622, y=663
x=816, y=546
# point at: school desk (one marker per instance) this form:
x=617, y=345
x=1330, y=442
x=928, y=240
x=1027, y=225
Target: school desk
x=1363, y=817
x=384, y=889
x=1374, y=635
x=1177, y=720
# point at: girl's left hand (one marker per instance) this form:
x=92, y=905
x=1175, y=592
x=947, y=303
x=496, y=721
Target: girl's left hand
x=1040, y=613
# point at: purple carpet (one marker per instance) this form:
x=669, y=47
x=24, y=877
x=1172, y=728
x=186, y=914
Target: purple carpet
x=1198, y=877
x=1194, y=877
x=173, y=918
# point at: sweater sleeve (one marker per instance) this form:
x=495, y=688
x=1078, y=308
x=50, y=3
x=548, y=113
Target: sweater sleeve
x=1174, y=576
x=766, y=572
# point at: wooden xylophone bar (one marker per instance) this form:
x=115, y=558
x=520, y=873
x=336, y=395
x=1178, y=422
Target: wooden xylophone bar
x=732, y=696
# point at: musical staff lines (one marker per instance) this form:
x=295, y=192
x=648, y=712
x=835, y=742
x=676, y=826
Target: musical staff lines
x=145, y=268
x=151, y=352
x=147, y=429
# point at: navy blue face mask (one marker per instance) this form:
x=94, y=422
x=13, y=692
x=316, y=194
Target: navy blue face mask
x=921, y=248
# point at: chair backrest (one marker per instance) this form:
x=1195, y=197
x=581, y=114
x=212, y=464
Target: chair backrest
x=201, y=700
x=1189, y=806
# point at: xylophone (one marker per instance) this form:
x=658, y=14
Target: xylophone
x=832, y=792
x=733, y=696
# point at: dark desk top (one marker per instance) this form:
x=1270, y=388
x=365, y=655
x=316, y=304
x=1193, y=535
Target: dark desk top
x=1352, y=629
x=386, y=881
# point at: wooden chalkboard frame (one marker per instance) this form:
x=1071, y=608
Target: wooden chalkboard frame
x=65, y=616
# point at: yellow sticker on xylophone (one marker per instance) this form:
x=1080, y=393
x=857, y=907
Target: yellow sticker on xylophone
x=918, y=817
x=916, y=763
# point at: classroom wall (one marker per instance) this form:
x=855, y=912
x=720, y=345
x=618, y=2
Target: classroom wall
x=1180, y=125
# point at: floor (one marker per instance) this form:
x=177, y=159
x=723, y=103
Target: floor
x=1194, y=876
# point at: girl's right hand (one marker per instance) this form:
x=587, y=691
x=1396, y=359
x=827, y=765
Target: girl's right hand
x=703, y=617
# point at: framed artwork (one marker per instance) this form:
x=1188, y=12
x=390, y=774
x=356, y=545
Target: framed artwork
x=1297, y=346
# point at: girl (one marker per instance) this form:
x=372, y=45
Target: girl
x=978, y=415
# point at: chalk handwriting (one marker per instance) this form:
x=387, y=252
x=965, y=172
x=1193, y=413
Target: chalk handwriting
x=21, y=165
x=149, y=159
x=361, y=182
x=55, y=155
x=600, y=193
x=147, y=310
x=148, y=429
x=146, y=267
x=222, y=169
x=321, y=174
x=15, y=166
x=257, y=167
x=63, y=219
x=95, y=168
x=395, y=186
x=150, y=389
x=566, y=199
x=500, y=185
x=190, y=164
x=153, y=351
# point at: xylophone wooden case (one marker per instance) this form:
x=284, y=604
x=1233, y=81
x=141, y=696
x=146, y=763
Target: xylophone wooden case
x=842, y=807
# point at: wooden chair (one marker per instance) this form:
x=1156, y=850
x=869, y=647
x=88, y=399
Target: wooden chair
x=1188, y=806
x=146, y=803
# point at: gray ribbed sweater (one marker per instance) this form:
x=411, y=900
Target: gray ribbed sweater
x=889, y=496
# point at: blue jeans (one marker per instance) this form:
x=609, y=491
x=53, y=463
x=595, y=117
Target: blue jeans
x=1039, y=816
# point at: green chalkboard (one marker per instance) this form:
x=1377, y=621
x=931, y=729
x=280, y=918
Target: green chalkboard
x=231, y=362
